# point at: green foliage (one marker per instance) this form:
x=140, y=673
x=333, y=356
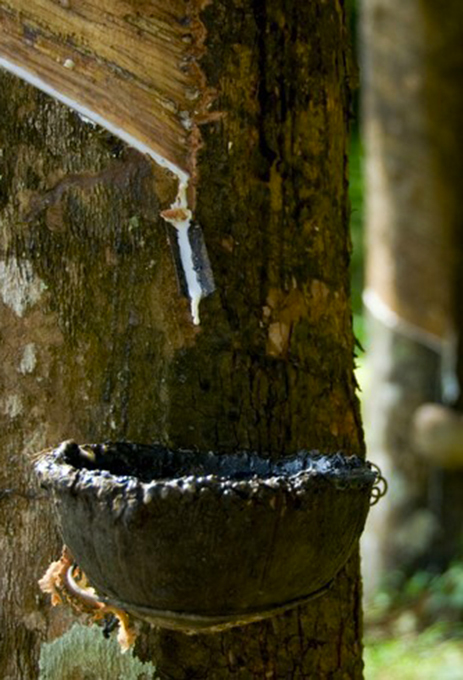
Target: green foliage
x=446, y=591
x=441, y=594
x=432, y=655
x=415, y=628
x=84, y=654
x=431, y=596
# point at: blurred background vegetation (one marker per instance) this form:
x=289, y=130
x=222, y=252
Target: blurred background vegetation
x=414, y=618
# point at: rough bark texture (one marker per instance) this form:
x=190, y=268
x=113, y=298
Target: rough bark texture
x=96, y=342
x=413, y=63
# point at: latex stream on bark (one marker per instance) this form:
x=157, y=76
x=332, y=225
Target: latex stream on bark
x=193, y=261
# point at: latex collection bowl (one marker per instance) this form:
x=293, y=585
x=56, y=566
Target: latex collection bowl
x=200, y=541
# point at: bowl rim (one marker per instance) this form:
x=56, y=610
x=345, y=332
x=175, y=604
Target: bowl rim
x=294, y=474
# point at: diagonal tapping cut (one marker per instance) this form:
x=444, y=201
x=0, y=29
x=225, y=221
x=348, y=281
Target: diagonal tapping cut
x=144, y=85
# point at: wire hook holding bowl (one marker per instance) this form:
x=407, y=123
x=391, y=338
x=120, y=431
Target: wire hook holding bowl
x=380, y=485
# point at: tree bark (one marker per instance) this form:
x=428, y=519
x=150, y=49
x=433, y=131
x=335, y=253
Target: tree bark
x=412, y=105
x=98, y=344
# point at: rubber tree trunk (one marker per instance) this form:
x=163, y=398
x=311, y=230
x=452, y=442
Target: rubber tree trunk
x=97, y=343
x=412, y=60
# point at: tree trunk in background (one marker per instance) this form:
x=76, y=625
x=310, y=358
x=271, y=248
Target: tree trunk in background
x=412, y=57
x=96, y=342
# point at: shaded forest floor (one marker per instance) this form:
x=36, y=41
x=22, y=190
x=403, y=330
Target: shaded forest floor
x=415, y=631
x=434, y=654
